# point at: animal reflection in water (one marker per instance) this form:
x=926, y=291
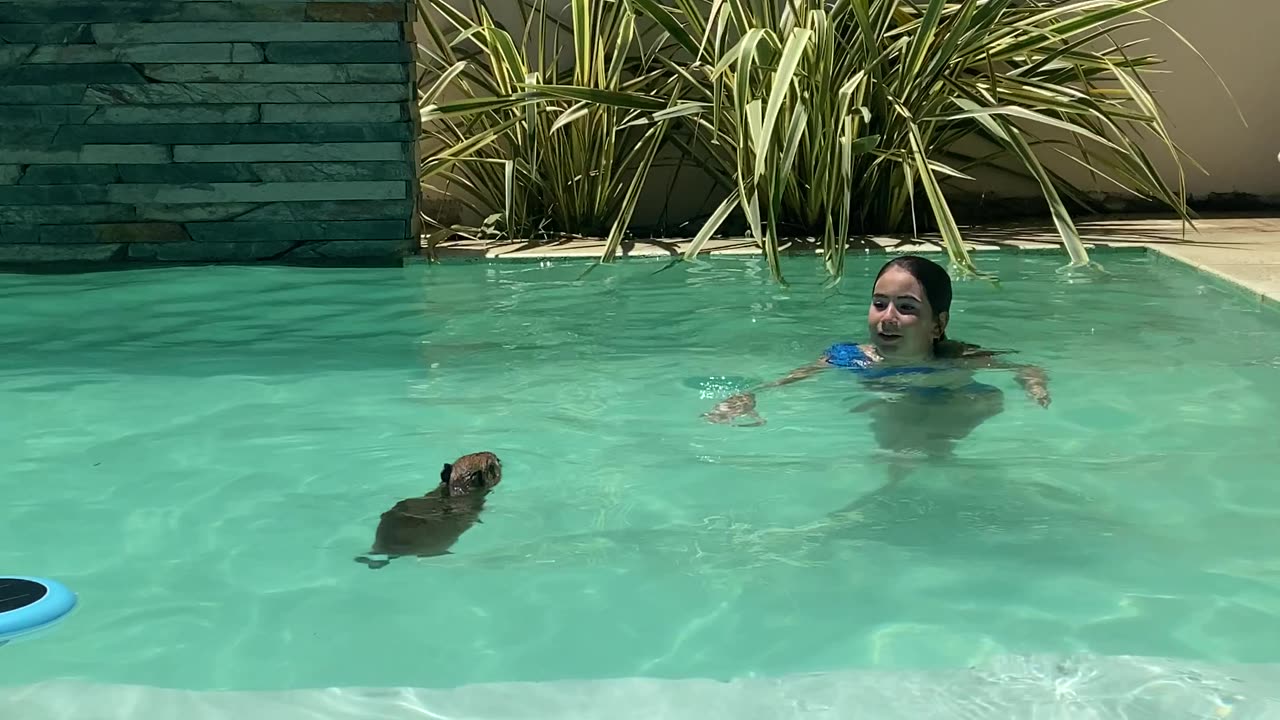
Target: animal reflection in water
x=427, y=526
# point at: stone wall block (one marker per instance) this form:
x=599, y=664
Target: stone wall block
x=44, y=94
x=86, y=154
x=116, y=11
x=278, y=73
x=33, y=136
x=182, y=93
x=46, y=33
x=294, y=232
x=41, y=254
x=357, y=11
x=194, y=134
x=52, y=194
x=43, y=114
x=335, y=113
x=189, y=173
x=156, y=115
x=182, y=252
x=288, y=152
x=52, y=214
x=126, y=154
x=119, y=33
x=339, y=171
x=15, y=54
x=113, y=233
x=148, y=53
x=334, y=210
x=71, y=74
x=71, y=175
x=389, y=250
x=254, y=192
x=320, y=52
x=208, y=212
x=25, y=155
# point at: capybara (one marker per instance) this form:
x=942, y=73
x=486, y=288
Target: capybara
x=429, y=525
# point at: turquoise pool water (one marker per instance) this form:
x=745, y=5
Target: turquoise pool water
x=201, y=452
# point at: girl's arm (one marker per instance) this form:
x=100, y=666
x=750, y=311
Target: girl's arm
x=796, y=375
x=743, y=404
x=1032, y=378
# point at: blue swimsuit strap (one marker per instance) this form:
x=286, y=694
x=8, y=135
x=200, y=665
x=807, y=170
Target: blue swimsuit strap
x=851, y=356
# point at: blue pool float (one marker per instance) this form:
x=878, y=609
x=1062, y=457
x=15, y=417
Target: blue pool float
x=30, y=604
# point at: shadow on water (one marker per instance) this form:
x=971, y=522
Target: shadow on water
x=953, y=511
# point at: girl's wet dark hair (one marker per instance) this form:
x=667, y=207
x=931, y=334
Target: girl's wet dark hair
x=931, y=276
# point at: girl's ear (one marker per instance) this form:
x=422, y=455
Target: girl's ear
x=940, y=324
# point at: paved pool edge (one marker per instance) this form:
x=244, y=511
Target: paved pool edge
x=995, y=688
x=1242, y=251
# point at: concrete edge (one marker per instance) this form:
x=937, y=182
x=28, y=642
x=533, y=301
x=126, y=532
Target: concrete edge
x=1162, y=239
x=673, y=250
x=1245, y=286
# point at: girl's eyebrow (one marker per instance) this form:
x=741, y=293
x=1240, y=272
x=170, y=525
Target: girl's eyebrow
x=904, y=295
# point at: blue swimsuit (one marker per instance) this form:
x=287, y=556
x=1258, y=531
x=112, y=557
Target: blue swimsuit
x=851, y=356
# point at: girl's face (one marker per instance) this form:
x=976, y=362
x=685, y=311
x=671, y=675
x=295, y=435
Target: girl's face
x=901, y=322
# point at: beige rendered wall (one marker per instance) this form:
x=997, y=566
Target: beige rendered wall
x=1235, y=144
x=1239, y=39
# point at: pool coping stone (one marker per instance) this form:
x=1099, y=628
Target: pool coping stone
x=1244, y=251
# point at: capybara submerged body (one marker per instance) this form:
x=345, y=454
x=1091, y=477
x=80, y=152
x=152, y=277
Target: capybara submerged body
x=429, y=525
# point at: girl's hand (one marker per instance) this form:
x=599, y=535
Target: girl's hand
x=1037, y=392
x=1033, y=380
x=733, y=407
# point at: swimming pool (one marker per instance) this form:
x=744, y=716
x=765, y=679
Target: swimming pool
x=201, y=452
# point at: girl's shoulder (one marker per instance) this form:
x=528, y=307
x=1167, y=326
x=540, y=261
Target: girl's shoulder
x=957, y=349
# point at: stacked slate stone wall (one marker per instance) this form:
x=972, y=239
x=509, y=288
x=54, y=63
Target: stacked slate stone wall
x=206, y=130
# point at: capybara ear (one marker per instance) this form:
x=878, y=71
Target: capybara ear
x=446, y=472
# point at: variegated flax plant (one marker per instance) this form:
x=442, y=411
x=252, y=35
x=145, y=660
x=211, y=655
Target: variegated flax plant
x=535, y=166
x=827, y=118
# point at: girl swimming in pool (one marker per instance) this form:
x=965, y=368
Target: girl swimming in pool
x=930, y=399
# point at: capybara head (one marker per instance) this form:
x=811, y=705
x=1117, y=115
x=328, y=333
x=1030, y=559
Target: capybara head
x=469, y=473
